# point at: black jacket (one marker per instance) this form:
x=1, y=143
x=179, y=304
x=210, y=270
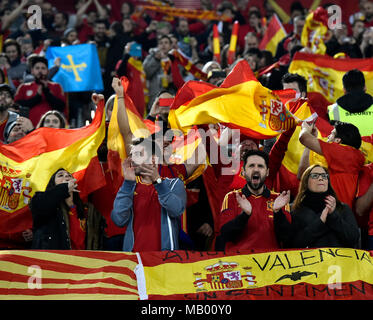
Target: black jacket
x=355, y=101
x=339, y=230
x=49, y=226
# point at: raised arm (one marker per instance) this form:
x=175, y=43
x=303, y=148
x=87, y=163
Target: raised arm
x=81, y=12
x=308, y=139
x=122, y=116
x=8, y=20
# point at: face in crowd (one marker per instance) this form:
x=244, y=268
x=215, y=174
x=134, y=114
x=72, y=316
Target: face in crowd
x=318, y=180
x=255, y=172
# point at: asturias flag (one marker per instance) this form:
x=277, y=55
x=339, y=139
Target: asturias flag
x=80, y=67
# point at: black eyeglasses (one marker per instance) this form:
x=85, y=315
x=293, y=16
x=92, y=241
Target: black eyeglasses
x=325, y=176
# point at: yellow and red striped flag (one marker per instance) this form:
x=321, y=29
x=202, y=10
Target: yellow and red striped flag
x=274, y=34
x=115, y=142
x=315, y=31
x=216, y=43
x=287, y=173
x=241, y=102
x=137, y=89
x=324, y=74
x=26, y=166
x=188, y=64
x=67, y=275
x=257, y=275
x=187, y=13
x=231, y=55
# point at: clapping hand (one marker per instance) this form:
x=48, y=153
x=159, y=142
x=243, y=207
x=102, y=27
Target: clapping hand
x=244, y=204
x=128, y=170
x=281, y=201
x=329, y=207
x=330, y=203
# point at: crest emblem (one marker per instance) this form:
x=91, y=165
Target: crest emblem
x=224, y=276
x=279, y=120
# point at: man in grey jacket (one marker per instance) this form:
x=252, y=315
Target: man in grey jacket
x=148, y=205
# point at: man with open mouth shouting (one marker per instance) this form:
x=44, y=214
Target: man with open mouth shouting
x=249, y=216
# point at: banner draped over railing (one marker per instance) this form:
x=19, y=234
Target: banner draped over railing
x=308, y=274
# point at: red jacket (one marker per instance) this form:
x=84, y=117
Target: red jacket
x=52, y=98
x=256, y=231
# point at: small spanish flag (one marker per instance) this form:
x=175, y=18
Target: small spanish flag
x=233, y=43
x=274, y=34
x=216, y=43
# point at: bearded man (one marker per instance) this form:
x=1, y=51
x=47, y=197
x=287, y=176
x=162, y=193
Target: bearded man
x=250, y=217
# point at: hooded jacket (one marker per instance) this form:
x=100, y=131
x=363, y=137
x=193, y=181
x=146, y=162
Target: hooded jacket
x=355, y=107
x=172, y=197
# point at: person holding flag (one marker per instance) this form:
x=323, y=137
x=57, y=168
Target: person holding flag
x=342, y=154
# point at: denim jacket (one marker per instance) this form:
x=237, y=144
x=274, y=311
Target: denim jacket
x=172, y=197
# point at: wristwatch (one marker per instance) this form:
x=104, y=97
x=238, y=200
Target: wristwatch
x=158, y=181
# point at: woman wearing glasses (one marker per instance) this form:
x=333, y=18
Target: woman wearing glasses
x=319, y=219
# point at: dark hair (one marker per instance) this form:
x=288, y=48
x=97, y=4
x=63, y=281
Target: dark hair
x=164, y=36
x=255, y=13
x=294, y=77
x=296, y=6
x=303, y=187
x=103, y=21
x=65, y=15
x=58, y=114
x=260, y=153
x=36, y=59
x=150, y=145
x=117, y=27
x=5, y=87
x=348, y=133
x=12, y=42
x=254, y=52
x=353, y=80
x=76, y=198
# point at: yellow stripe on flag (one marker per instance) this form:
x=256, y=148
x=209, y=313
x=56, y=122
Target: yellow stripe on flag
x=258, y=270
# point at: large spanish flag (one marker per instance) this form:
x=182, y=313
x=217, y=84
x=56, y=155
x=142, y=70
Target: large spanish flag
x=26, y=166
x=324, y=74
x=241, y=102
x=274, y=34
x=315, y=31
x=317, y=274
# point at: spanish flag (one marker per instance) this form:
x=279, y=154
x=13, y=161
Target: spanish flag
x=299, y=274
x=324, y=74
x=115, y=142
x=274, y=34
x=137, y=89
x=287, y=173
x=241, y=102
x=26, y=166
x=315, y=31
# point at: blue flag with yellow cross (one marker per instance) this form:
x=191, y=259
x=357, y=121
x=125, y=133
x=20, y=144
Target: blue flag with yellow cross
x=79, y=69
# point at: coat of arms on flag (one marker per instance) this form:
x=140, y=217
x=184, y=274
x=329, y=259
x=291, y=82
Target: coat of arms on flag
x=80, y=67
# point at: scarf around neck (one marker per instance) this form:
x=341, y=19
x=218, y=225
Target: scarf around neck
x=315, y=200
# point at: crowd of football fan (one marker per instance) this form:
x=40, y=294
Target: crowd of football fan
x=333, y=205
